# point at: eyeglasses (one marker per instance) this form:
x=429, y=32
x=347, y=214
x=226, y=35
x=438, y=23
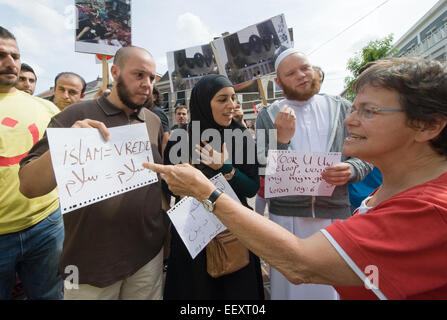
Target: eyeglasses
x=368, y=112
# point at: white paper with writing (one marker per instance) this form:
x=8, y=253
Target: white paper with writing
x=298, y=173
x=195, y=225
x=88, y=169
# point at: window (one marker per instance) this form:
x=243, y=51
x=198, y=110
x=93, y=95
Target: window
x=442, y=57
x=180, y=98
x=165, y=101
x=430, y=32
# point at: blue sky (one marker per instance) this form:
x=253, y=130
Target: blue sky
x=45, y=35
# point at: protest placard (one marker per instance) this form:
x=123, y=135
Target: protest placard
x=298, y=173
x=187, y=66
x=195, y=225
x=89, y=169
x=102, y=26
x=250, y=53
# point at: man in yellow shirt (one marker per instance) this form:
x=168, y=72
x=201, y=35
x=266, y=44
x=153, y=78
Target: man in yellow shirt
x=31, y=230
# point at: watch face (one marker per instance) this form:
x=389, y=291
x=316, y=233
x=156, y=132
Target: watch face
x=208, y=205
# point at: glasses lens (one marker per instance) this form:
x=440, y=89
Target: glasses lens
x=363, y=113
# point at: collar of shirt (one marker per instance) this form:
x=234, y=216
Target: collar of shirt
x=110, y=109
x=296, y=103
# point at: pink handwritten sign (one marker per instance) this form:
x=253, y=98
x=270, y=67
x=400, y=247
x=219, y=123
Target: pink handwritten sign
x=291, y=173
x=89, y=169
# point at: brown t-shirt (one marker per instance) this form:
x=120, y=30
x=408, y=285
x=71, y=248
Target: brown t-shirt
x=111, y=239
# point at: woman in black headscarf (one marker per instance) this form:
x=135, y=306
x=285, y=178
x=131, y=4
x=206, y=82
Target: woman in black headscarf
x=211, y=105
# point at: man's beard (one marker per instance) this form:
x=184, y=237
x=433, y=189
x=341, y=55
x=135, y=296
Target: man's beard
x=303, y=95
x=124, y=95
x=8, y=83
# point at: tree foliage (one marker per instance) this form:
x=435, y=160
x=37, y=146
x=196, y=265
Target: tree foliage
x=374, y=50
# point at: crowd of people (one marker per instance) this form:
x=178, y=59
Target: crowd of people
x=387, y=213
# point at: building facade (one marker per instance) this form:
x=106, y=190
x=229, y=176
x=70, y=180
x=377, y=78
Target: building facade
x=427, y=38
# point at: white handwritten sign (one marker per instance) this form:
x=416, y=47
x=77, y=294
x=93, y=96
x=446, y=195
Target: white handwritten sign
x=298, y=173
x=88, y=169
x=195, y=225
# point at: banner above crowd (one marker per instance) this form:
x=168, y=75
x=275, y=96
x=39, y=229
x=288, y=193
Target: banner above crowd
x=242, y=56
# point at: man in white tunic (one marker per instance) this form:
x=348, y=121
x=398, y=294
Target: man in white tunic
x=307, y=121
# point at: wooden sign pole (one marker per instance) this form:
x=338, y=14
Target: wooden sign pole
x=261, y=91
x=214, y=50
x=105, y=73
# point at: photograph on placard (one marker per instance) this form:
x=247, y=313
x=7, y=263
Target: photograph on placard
x=187, y=66
x=103, y=26
x=249, y=53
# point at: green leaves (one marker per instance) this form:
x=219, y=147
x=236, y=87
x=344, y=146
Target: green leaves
x=374, y=50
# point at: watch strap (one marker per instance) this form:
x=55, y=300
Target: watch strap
x=214, y=195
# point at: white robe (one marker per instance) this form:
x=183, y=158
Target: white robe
x=311, y=134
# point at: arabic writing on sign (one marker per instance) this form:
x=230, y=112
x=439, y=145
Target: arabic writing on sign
x=195, y=225
x=200, y=226
x=298, y=173
x=88, y=169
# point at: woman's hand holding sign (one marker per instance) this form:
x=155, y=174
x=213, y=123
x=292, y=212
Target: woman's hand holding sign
x=338, y=174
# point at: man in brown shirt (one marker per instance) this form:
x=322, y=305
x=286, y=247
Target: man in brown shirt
x=113, y=247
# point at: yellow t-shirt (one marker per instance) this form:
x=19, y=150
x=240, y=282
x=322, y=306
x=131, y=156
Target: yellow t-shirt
x=23, y=120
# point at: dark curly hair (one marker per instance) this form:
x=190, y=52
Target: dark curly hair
x=422, y=88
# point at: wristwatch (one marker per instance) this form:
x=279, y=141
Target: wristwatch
x=209, y=203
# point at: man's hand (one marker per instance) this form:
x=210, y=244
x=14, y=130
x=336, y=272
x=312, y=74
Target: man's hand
x=183, y=180
x=100, y=92
x=88, y=123
x=285, y=124
x=337, y=175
